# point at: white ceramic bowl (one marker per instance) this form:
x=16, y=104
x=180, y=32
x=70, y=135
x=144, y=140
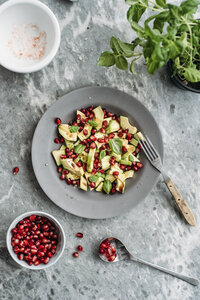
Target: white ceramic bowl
x=23, y=12
x=60, y=246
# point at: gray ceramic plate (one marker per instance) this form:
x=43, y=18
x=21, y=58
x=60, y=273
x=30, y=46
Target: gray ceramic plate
x=93, y=204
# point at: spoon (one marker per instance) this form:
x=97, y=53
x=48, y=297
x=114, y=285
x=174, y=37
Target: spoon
x=113, y=250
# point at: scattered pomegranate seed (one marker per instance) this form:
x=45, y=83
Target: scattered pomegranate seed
x=93, y=138
x=124, y=150
x=111, y=135
x=15, y=170
x=106, y=140
x=113, y=190
x=75, y=254
x=94, y=171
x=92, y=145
x=109, y=114
x=79, y=248
x=57, y=121
x=122, y=167
x=61, y=140
x=116, y=173
x=129, y=136
x=139, y=165
x=94, y=130
x=118, y=120
x=126, y=131
x=62, y=176
x=135, y=168
x=56, y=141
x=78, y=117
x=92, y=184
x=63, y=156
x=60, y=169
x=112, y=162
x=100, y=140
x=79, y=234
x=83, y=110
x=120, y=134
x=137, y=150
x=105, y=124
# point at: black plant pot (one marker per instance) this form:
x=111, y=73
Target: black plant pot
x=182, y=84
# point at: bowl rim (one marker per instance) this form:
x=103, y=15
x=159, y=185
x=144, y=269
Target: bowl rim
x=10, y=249
x=40, y=64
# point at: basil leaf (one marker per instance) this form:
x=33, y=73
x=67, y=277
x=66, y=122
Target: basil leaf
x=192, y=74
x=102, y=154
x=114, y=44
x=121, y=63
x=74, y=128
x=131, y=158
x=99, y=174
x=79, y=148
x=131, y=68
x=107, y=59
x=135, y=12
x=107, y=186
x=161, y=3
x=93, y=178
x=138, y=155
x=92, y=123
x=116, y=145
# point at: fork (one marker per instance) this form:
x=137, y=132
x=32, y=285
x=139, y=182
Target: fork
x=154, y=158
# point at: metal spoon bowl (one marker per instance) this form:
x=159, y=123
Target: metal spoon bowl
x=123, y=254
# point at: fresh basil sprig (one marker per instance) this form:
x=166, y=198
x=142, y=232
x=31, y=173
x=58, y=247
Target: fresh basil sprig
x=93, y=178
x=116, y=145
x=102, y=154
x=175, y=36
x=107, y=186
x=79, y=149
x=74, y=128
x=92, y=123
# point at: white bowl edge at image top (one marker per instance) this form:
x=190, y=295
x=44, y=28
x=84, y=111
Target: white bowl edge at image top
x=24, y=12
x=60, y=246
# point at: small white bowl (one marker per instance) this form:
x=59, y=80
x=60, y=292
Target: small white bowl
x=24, y=12
x=60, y=246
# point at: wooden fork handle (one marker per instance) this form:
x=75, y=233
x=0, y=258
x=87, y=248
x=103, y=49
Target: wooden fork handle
x=182, y=205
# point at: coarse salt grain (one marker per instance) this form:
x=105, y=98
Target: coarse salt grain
x=27, y=42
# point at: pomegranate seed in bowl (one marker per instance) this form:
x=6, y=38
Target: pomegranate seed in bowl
x=35, y=239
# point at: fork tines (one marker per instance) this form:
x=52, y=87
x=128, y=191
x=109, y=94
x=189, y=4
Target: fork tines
x=148, y=148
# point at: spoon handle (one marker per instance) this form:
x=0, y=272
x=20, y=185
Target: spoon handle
x=190, y=280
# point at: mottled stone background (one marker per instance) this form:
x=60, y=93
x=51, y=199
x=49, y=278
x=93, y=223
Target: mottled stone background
x=155, y=229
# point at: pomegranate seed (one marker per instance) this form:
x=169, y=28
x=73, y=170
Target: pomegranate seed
x=83, y=110
x=109, y=251
x=21, y=256
x=112, y=162
x=46, y=260
x=139, y=165
x=36, y=263
x=44, y=240
x=79, y=248
x=92, y=145
x=126, y=131
x=109, y=114
x=75, y=254
x=15, y=170
x=79, y=234
x=61, y=140
x=57, y=121
x=94, y=130
x=90, y=108
x=78, y=117
x=116, y=173
x=120, y=134
x=63, y=156
x=111, y=135
x=135, y=168
x=60, y=169
x=100, y=140
x=85, y=132
x=113, y=190
x=105, y=124
x=139, y=146
x=106, y=140
x=91, y=115
x=129, y=136
x=62, y=176
x=94, y=171
x=79, y=164
x=69, y=181
x=113, y=117
x=49, y=254
x=93, y=138
x=101, y=250
x=124, y=150
x=45, y=227
x=102, y=130
x=122, y=167
x=33, y=251
x=56, y=141
x=118, y=120
x=87, y=113
x=103, y=147
x=111, y=258
x=74, y=124
x=103, y=245
x=92, y=184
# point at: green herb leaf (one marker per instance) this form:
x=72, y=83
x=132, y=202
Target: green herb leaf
x=116, y=145
x=126, y=49
x=121, y=63
x=114, y=44
x=131, y=158
x=93, y=178
x=107, y=186
x=135, y=12
x=138, y=155
x=79, y=148
x=107, y=59
x=161, y=3
x=74, y=128
x=92, y=123
x=131, y=68
x=189, y=6
x=102, y=154
x=101, y=175
x=192, y=74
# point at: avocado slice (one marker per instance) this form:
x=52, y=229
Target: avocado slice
x=124, y=122
x=113, y=126
x=83, y=116
x=105, y=162
x=98, y=116
x=110, y=177
x=56, y=154
x=108, y=119
x=90, y=160
x=83, y=183
x=126, y=162
x=69, y=164
x=134, y=142
x=130, y=148
x=126, y=157
x=140, y=136
x=72, y=176
x=63, y=129
x=97, y=183
x=81, y=135
x=100, y=187
x=128, y=174
x=82, y=156
x=120, y=187
x=69, y=144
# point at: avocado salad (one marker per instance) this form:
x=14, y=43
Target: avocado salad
x=99, y=150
